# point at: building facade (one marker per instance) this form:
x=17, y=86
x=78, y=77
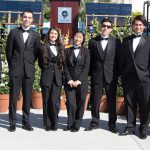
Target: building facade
x=137, y=5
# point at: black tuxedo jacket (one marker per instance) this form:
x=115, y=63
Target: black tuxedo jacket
x=22, y=56
x=135, y=66
x=104, y=64
x=50, y=72
x=79, y=70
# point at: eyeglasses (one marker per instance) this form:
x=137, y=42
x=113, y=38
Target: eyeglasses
x=104, y=26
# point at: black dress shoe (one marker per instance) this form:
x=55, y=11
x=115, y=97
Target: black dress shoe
x=75, y=129
x=113, y=128
x=67, y=128
x=27, y=127
x=143, y=135
x=53, y=128
x=127, y=132
x=48, y=128
x=12, y=128
x=90, y=128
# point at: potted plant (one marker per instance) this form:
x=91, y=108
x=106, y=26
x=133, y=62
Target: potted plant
x=120, y=104
x=63, y=99
x=4, y=89
x=36, y=94
x=19, y=102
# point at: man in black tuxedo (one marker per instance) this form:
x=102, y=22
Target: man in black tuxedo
x=21, y=52
x=134, y=66
x=103, y=70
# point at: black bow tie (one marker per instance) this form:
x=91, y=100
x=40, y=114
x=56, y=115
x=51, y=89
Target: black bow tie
x=102, y=38
x=52, y=44
x=75, y=48
x=135, y=35
x=25, y=30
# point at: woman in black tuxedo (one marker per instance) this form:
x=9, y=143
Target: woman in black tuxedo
x=51, y=63
x=76, y=68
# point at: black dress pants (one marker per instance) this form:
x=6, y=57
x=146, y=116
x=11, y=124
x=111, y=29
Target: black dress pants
x=16, y=84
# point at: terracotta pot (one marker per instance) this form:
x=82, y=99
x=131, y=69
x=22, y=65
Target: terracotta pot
x=19, y=103
x=63, y=102
x=103, y=104
x=4, y=102
x=37, y=100
x=120, y=106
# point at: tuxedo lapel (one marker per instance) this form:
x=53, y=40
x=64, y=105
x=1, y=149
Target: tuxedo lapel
x=99, y=48
x=78, y=58
x=71, y=56
x=131, y=47
x=109, y=45
x=29, y=38
x=21, y=37
x=49, y=50
x=140, y=45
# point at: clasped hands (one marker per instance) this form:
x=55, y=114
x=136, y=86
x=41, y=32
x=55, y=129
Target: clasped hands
x=74, y=83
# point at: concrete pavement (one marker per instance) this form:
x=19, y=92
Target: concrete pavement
x=39, y=139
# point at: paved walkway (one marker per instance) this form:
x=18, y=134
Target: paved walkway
x=39, y=139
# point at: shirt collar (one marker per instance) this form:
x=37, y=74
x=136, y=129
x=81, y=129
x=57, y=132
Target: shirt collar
x=25, y=28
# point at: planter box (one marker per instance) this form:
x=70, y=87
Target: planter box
x=19, y=103
x=103, y=104
x=37, y=100
x=87, y=101
x=4, y=102
x=120, y=106
x=63, y=102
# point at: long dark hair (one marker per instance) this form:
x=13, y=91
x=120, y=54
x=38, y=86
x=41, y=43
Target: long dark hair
x=58, y=45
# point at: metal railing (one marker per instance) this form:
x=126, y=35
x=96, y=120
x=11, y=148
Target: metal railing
x=114, y=16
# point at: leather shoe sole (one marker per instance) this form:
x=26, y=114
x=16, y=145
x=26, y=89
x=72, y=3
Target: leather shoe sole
x=48, y=128
x=90, y=128
x=12, y=128
x=113, y=129
x=53, y=128
x=67, y=128
x=28, y=128
x=143, y=135
x=75, y=130
x=126, y=132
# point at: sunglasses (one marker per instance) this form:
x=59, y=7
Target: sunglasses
x=104, y=26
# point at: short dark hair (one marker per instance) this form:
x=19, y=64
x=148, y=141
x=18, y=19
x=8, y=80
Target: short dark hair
x=28, y=11
x=140, y=18
x=106, y=20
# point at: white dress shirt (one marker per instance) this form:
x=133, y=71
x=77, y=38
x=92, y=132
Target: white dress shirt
x=25, y=34
x=76, y=50
x=53, y=49
x=104, y=43
x=136, y=41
